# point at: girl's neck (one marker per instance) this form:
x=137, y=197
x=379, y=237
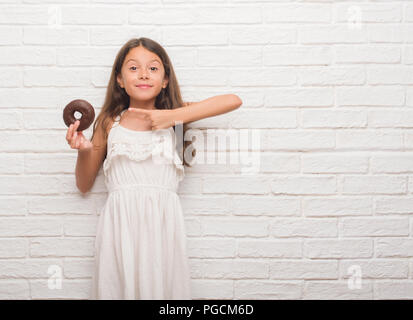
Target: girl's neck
x=148, y=105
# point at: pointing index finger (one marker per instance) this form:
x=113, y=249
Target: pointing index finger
x=138, y=110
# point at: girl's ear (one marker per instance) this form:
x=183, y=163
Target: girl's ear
x=165, y=82
x=119, y=80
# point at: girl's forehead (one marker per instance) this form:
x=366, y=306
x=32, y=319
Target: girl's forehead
x=140, y=54
x=155, y=60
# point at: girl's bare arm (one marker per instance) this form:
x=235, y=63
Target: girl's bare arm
x=210, y=107
x=89, y=159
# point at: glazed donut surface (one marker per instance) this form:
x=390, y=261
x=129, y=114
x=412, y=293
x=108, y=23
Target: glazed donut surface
x=82, y=106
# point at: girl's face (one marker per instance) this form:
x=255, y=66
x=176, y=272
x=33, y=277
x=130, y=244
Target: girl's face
x=142, y=67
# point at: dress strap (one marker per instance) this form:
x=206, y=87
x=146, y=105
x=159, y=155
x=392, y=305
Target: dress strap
x=117, y=119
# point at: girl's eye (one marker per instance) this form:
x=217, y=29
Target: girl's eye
x=151, y=68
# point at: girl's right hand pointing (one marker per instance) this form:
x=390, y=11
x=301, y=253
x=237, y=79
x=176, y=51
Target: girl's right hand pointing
x=76, y=139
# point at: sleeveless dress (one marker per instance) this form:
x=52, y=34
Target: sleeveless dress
x=140, y=244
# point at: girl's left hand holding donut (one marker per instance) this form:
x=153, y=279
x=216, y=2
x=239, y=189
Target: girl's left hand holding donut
x=76, y=139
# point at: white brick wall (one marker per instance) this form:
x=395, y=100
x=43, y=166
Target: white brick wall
x=328, y=84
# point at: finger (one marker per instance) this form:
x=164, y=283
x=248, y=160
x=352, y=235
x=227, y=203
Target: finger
x=76, y=124
x=78, y=137
x=73, y=141
x=73, y=144
x=142, y=116
x=71, y=131
x=68, y=133
x=139, y=110
x=81, y=138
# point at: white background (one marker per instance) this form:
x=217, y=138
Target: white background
x=329, y=86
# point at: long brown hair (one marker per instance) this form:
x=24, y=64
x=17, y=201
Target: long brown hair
x=117, y=99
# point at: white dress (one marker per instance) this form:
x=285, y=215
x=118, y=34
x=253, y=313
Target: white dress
x=140, y=245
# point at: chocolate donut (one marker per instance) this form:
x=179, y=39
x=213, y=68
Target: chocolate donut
x=82, y=106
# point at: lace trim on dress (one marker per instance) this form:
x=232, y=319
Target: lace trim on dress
x=145, y=148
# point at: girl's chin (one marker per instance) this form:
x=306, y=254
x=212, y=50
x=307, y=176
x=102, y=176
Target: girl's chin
x=142, y=97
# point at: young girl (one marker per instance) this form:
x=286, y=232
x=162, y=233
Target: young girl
x=140, y=239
